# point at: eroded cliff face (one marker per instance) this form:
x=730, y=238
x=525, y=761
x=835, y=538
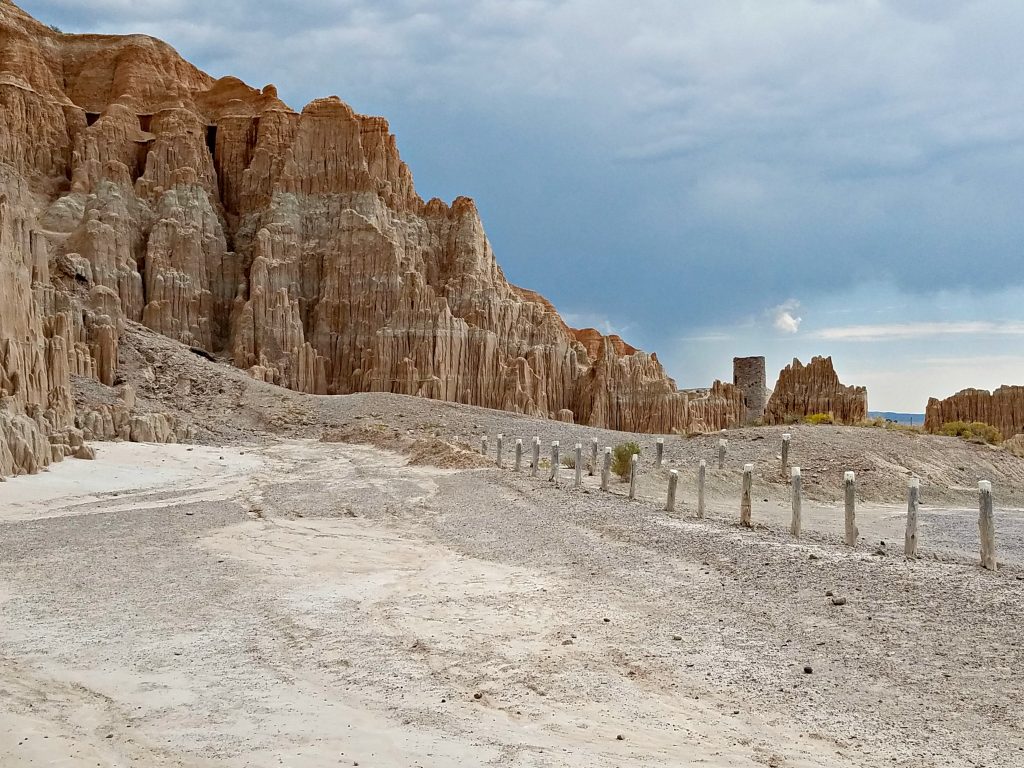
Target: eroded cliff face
x=803, y=390
x=137, y=188
x=1002, y=408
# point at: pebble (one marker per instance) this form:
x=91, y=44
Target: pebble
x=478, y=695
x=677, y=637
x=838, y=601
x=620, y=737
x=808, y=670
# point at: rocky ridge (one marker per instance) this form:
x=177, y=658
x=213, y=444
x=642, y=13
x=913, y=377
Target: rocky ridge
x=803, y=390
x=1002, y=408
x=136, y=188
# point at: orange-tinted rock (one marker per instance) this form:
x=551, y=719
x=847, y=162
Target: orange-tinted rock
x=803, y=390
x=136, y=187
x=1002, y=408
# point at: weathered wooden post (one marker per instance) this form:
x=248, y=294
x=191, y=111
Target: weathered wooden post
x=606, y=470
x=723, y=445
x=555, y=460
x=796, y=489
x=701, y=472
x=673, y=481
x=987, y=526
x=578, y=455
x=785, y=452
x=913, y=498
x=745, y=505
x=593, y=456
x=483, y=445
x=850, y=484
x=536, y=457
x=501, y=449
x=633, y=460
x=659, y=452
x=519, y=454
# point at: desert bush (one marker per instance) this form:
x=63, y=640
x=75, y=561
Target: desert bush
x=621, y=458
x=820, y=418
x=975, y=432
x=569, y=461
x=878, y=421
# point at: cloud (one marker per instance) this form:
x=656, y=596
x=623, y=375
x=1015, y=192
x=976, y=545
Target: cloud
x=894, y=331
x=784, y=319
x=594, y=320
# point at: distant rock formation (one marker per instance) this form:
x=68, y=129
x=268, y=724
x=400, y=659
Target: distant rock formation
x=1002, y=409
x=803, y=390
x=748, y=374
x=135, y=187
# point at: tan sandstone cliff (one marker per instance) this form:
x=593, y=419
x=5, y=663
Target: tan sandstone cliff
x=134, y=187
x=1002, y=408
x=803, y=390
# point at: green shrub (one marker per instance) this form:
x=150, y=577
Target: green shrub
x=621, y=458
x=820, y=418
x=975, y=431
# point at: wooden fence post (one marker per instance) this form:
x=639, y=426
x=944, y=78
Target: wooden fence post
x=606, y=470
x=723, y=446
x=555, y=460
x=785, y=452
x=987, y=526
x=746, y=508
x=913, y=499
x=519, y=454
x=593, y=456
x=501, y=449
x=850, y=487
x=796, y=482
x=578, y=455
x=701, y=473
x=633, y=461
x=673, y=481
x=536, y=457
x=483, y=445
x=659, y=452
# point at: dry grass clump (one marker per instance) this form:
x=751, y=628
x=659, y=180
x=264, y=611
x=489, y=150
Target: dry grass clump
x=820, y=418
x=974, y=432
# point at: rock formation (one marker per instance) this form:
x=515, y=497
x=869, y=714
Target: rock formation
x=1003, y=409
x=134, y=187
x=803, y=390
x=748, y=374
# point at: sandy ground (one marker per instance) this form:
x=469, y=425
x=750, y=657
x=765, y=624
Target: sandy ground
x=290, y=602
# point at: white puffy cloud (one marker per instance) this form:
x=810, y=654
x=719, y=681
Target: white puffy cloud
x=784, y=317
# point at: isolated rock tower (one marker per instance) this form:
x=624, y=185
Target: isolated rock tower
x=748, y=374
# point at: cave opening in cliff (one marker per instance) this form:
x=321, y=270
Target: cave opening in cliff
x=211, y=139
x=145, y=121
x=91, y=117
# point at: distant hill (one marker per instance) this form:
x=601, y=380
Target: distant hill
x=914, y=419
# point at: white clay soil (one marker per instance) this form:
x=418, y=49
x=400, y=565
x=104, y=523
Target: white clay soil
x=295, y=603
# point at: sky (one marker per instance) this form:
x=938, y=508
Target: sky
x=783, y=178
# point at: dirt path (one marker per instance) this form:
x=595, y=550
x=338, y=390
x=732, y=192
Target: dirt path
x=305, y=604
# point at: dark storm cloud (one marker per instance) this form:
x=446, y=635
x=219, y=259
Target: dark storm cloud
x=664, y=165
